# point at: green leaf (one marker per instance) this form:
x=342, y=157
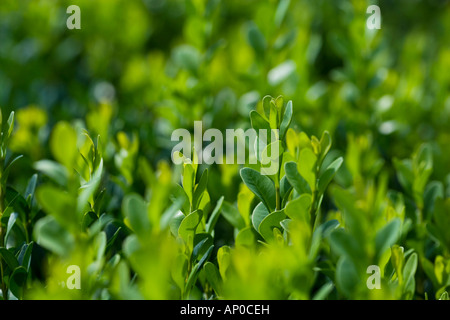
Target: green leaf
x=10, y=125
x=352, y=215
x=295, y=179
x=256, y=39
x=324, y=291
x=266, y=106
x=344, y=244
x=188, y=180
x=347, y=278
x=386, y=237
x=307, y=167
x=200, y=189
x=134, y=209
x=194, y=273
x=246, y=237
x=17, y=281
x=179, y=193
x=31, y=187
x=298, y=209
x=262, y=128
x=329, y=174
x=444, y=296
x=321, y=232
x=433, y=191
x=88, y=219
x=170, y=212
x=60, y=205
x=202, y=242
x=405, y=174
x=286, y=121
x=9, y=258
x=179, y=270
x=187, y=57
x=213, y=277
x=269, y=223
x=274, y=117
x=325, y=145
x=281, y=11
x=50, y=235
x=24, y=258
x=258, y=215
x=409, y=272
x=54, y=170
x=8, y=167
x=175, y=222
x=11, y=221
x=397, y=260
x=63, y=144
x=223, y=260
x=187, y=227
x=131, y=245
x=270, y=158
x=281, y=72
x=214, y=216
x=232, y=215
x=262, y=186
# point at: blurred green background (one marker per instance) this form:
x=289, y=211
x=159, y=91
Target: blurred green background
x=137, y=70
x=161, y=64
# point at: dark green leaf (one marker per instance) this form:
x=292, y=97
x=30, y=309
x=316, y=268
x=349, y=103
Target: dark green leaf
x=262, y=186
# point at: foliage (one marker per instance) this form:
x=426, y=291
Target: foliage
x=362, y=129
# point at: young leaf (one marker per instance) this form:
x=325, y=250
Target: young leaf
x=200, y=189
x=286, y=121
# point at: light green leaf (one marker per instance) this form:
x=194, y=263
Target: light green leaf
x=63, y=144
x=298, y=209
x=134, y=209
x=307, y=167
x=269, y=223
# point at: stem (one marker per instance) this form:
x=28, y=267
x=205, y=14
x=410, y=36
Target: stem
x=277, y=197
